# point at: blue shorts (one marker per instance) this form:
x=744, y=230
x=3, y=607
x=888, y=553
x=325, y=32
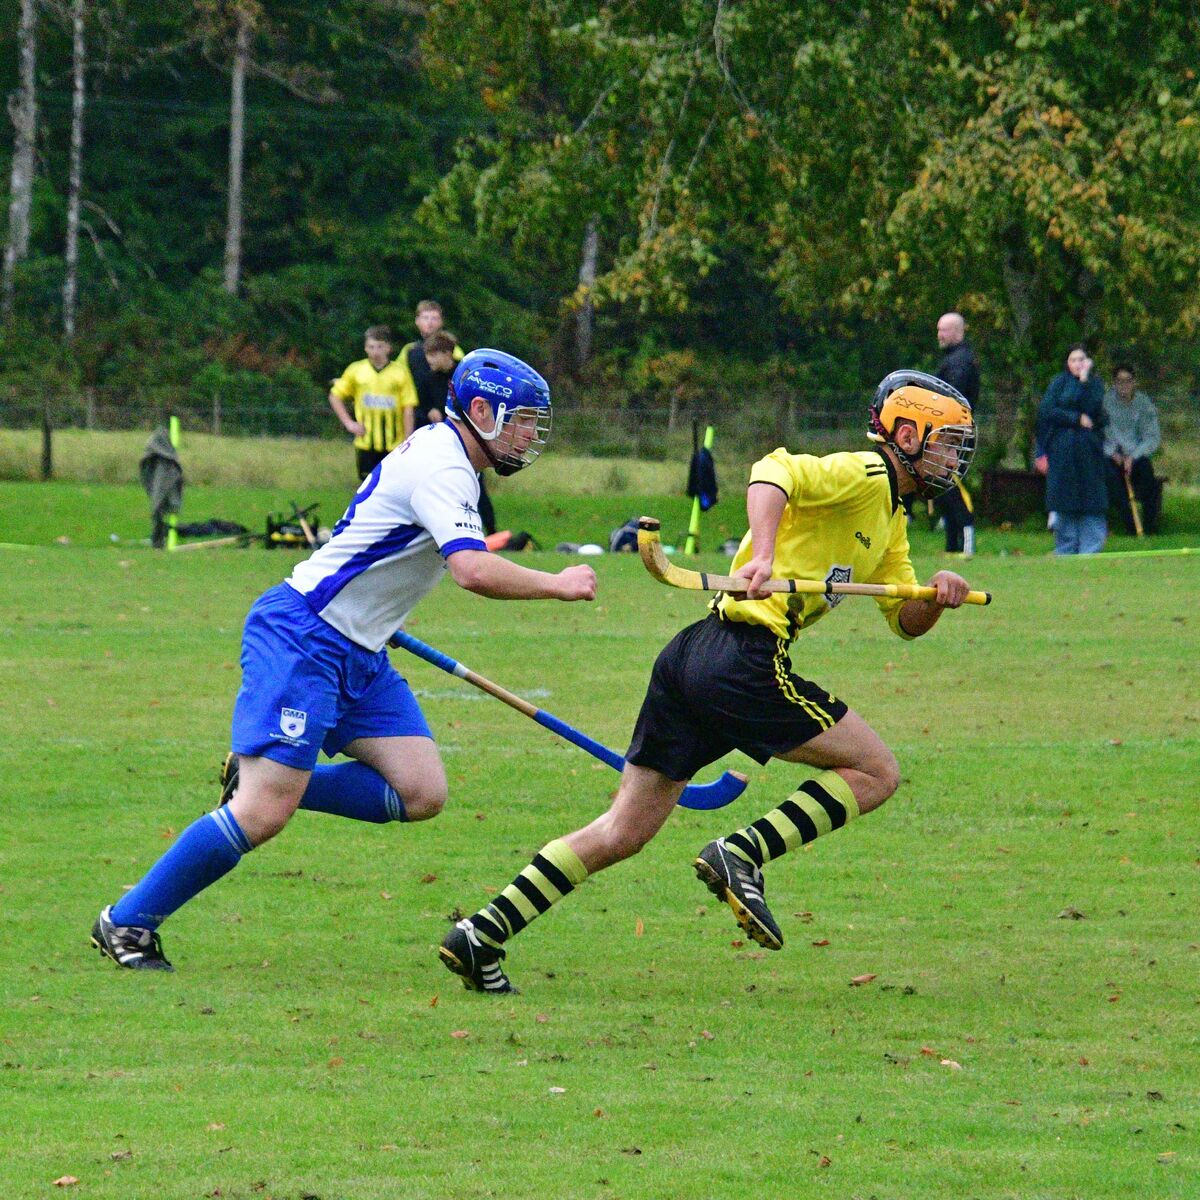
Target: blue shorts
x=306, y=687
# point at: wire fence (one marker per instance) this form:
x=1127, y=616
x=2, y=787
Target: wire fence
x=632, y=428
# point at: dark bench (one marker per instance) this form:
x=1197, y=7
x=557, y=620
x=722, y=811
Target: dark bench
x=1010, y=495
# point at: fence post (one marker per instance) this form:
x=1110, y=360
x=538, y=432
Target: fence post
x=47, y=441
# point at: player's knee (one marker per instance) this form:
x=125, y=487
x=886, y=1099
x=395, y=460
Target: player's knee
x=885, y=774
x=262, y=821
x=424, y=799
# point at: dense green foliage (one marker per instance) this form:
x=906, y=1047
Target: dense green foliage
x=1024, y=904
x=800, y=189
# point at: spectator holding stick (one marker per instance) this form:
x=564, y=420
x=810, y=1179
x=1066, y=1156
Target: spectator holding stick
x=1131, y=436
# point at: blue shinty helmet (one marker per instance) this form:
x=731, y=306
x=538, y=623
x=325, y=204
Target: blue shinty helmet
x=510, y=386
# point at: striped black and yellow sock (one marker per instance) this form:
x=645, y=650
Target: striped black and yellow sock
x=555, y=871
x=819, y=806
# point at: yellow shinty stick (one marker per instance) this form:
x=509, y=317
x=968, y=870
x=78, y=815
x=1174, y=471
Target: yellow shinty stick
x=1134, y=507
x=661, y=567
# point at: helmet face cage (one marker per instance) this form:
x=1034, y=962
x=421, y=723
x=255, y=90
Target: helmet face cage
x=942, y=418
x=527, y=421
x=520, y=402
x=946, y=456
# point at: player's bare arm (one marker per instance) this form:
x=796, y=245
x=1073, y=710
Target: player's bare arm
x=764, y=509
x=340, y=411
x=920, y=616
x=499, y=578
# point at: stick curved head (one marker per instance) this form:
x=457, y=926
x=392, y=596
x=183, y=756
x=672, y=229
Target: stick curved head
x=720, y=792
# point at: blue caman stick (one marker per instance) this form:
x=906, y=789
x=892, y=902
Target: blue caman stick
x=696, y=795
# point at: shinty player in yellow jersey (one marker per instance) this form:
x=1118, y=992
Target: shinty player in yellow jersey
x=384, y=400
x=726, y=681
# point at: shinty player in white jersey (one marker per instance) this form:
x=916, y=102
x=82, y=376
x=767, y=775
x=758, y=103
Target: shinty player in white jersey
x=315, y=674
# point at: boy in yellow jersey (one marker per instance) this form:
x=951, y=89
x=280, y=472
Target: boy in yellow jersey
x=383, y=396
x=726, y=682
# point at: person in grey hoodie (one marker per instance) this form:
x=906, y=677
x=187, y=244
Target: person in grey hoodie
x=1131, y=436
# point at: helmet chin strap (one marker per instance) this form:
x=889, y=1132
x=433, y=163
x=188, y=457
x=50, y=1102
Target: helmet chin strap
x=909, y=463
x=502, y=466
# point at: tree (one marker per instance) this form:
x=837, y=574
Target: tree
x=23, y=111
x=1032, y=165
x=237, y=139
x=229, y=29
x=75, y=170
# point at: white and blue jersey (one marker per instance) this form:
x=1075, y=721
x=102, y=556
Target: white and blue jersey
x=416, y=508
x=315, y=675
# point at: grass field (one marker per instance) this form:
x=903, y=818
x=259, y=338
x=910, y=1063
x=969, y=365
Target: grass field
x=310, y=1045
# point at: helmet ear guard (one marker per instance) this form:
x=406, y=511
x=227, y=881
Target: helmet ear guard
x=944, y=426
x=519, y=399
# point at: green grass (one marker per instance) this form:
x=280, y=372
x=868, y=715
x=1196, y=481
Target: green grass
x=307, y=1044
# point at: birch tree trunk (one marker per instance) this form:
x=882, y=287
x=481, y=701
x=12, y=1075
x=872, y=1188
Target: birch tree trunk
x=586, y=316
x=75, y=173
x=237, y=138
x=23, y=112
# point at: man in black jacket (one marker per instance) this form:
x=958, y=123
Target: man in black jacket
x=959, y=368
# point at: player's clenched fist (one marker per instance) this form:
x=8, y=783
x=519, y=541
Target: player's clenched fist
x=578, y=583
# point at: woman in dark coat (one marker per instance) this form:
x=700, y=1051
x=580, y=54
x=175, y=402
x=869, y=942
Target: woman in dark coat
x=1070, y=431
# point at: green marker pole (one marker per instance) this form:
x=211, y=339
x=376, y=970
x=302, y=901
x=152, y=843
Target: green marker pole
x=693, y=538
x=172, y=518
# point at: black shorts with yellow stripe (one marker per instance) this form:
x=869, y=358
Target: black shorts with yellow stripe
x=726, y=685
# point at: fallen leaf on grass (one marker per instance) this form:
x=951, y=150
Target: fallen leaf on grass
x=460, y=1033
x=930, y=1051
x=1071, y=913
x=639, y=927
x=541, y=1018
x=557, y=1091
x=821, y=942
x=708, y=1037
x=336, y=1061
x=1155, y=1096
x=599, y=1113
x=214, y=1127
x=1168, y=1156
x=433, y=1002
x=385, y=895
x=949, y=1062
x=860, y=980
x=66, y=1181
x=824, y=1161
x=121, y=1155
x=430, y=878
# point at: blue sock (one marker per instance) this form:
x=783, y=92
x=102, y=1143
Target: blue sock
x=354, y=790
x=205, y=851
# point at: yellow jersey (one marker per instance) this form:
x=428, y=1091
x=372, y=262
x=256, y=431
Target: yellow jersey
x=378, y=398
x=843, y=522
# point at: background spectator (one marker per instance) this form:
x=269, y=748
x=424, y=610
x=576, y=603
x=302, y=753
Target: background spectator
x=1131, y=436
x=383, y=398
x=430, y=393
x=1070, y=424
x=440, y=353
x=959, y=368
